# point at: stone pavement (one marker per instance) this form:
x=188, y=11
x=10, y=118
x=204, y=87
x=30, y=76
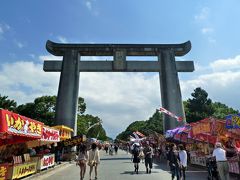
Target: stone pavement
x=119, y=167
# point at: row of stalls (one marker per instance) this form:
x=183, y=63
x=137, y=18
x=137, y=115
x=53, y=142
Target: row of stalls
x=200, y=137
x=28, y=146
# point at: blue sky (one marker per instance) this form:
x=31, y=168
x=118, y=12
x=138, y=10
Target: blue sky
x=211, y=26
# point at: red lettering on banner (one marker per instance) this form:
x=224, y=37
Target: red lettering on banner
x=48, y=161
x=50, y=134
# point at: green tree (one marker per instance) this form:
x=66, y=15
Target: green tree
x=222, y=110
x=43, y=109
x=153, y=124
x=91, y=126
x=199, y=107
x=6, y=103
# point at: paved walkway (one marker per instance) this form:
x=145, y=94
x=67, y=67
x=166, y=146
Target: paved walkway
x=119, y=167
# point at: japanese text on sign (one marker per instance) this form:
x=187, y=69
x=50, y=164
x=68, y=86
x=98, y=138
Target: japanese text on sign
x=3, y=171
x=50, y=134
x=24, y=170
x=22, y=125
x=73, y=141
x=233, y=121
x=47, y=161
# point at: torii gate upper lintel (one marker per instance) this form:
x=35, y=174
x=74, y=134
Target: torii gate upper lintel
x=71, y=66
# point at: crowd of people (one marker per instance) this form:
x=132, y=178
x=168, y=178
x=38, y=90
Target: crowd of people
x=176, y=156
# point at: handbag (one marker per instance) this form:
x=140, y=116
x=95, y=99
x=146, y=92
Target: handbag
x=93, y=162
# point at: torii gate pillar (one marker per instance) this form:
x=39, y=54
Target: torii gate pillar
x=170, y=89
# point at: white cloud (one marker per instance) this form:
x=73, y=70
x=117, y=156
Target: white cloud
x=62, y=39
x=3, y=29
x=207, y=30
x=19, y=44
x=23, y=81
x=88, y=5
x=212, y=40
x=120, y=98
x=49, y=57
x=32, y=56
x=203, y=15
x=226, y=64
x=221, y=86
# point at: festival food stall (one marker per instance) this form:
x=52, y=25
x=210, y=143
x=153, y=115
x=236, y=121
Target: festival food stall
x=49, y=136
x=16, y=129
x=233, y=126
x=203, y=135
x=64, y=152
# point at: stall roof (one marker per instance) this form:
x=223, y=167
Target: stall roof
x=63, y=127
x=15, y=128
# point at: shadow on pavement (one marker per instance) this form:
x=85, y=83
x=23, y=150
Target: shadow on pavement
x=106, y=159
x=139, y=172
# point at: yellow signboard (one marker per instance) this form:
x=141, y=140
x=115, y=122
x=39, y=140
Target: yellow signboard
x=22, y=170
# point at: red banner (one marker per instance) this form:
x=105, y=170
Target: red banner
x=50, y=134
x=201, y=128
x=13, y=123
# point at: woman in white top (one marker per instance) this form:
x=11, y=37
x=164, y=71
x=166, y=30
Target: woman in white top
x=183, y=161
x=82, y=159
x=94, y=159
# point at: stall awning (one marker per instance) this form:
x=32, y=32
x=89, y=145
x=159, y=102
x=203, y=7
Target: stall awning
x=15, y=128
x=49, y=135
x=65, y=132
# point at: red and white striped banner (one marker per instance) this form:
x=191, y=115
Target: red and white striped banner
x=140, y=134
x=170, y=114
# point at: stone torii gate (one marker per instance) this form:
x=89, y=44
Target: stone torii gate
x=71, y=66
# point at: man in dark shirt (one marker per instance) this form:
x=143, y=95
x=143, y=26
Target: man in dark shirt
x=173, y=160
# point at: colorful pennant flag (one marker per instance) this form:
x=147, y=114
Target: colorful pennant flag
x=170, y=114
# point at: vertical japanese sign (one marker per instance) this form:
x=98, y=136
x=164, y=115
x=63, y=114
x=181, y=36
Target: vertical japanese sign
x=15, y=123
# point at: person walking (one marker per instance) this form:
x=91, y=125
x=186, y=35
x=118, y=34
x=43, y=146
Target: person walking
x=82, y=159
x=173, y=160
x=183, y=161
x=116, y=148
x=141, y=154
x=106, y=148
x=148, y=153
x=93, y=160
x=136, y=158
x=111, y=150
x=222, y=164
